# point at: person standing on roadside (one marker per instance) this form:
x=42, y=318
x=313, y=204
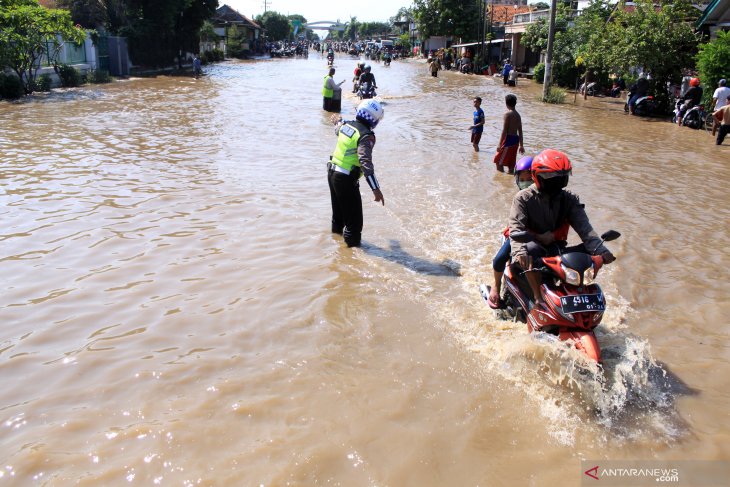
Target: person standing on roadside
x=505, y=71
x=720, y=98
x=197, y=70
x=353, y=157
x=478, y=128
x=722, y=116
x=511, y=139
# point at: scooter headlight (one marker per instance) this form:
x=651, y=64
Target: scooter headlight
x=572, y=276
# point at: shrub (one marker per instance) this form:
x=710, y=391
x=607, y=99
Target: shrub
x=539, y=73
x=70, y=77
x=10, y=86
x=713, y=62
x=98, y=76
x=45, y=82
x=555, y=95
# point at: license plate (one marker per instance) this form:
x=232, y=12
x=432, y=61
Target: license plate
x=581, y=303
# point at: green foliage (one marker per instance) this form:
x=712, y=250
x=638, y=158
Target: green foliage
x=44, y=82
x=213, y=56
x=277, y=25
x=539, y=73
x=70, y=77
x=158, y=30
x=405, y=41
x=541, y=5
x=458, y=18
x=25, y=31
x=713, y=62
x=207, y=32
x=10, y=86
x=90, y=14
x=98, y=77
x=659, y=43
x=555, y=95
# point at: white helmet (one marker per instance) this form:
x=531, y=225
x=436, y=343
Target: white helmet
x=370, y=111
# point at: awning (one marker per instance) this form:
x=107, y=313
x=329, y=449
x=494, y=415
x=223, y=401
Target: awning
x=493, y=41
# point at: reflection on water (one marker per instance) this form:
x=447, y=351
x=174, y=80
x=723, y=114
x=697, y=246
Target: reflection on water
x=176, y=309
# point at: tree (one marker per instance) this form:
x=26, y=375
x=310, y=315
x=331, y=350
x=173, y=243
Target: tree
x=458, y=18
x=308, y=34
x=713, y=62
x=660, y=42
x=160, y=30
x=28, y=32
x=277, y=25
x=541, y=5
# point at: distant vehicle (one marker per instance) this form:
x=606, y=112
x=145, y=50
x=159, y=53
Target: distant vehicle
x=385, y=44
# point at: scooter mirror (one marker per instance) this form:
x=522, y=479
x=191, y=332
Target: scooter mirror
x=610, y=235
x=521, y=237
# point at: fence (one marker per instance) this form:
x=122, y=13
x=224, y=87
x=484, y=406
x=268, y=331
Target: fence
x=69, y=53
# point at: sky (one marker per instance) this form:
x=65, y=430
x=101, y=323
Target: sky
x=316, y=10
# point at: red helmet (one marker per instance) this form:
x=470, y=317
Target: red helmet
x=694, y=82
x=551, y=164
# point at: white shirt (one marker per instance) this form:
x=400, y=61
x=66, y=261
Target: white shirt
x=722, y=95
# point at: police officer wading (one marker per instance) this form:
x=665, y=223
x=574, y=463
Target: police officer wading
x=352, y=158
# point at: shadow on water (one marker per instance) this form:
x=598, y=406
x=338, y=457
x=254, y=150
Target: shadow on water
x=396, y=254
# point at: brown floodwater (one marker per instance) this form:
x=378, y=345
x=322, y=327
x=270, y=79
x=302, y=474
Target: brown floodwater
x=175, y=311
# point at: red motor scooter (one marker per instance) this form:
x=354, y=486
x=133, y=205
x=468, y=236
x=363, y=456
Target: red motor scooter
x=573, y=307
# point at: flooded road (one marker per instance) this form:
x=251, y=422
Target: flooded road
x=176, y=312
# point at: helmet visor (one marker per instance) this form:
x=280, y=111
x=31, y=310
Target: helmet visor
x=554, y=174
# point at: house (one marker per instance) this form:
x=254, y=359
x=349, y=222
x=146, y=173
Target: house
x=515, y=25
x=229, y=23
x=716, y=17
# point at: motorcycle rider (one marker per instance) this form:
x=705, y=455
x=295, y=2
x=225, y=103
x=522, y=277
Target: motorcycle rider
x=638, y=90
x=547, y=211
x=367, y=76
x=352, y=157
x=523, y=179
x=692, y=98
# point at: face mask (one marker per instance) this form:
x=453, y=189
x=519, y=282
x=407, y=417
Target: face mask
x=524, y=184
x=553, y=186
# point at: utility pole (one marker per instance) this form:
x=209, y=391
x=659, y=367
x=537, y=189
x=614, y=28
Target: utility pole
x=549, y=55
x=266, y=5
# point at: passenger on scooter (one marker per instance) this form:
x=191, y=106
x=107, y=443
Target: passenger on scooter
x=357, y=73
x=638, y=90
x=523, y=178
x=692, y=98
x=547, y=211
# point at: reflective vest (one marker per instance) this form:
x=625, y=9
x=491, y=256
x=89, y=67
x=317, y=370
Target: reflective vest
x=326, y=92
x=345, y=154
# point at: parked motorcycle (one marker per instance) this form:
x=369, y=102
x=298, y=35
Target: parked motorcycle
x=366, y=90
x=695, y=117
x=644, y=106
x=574, y=307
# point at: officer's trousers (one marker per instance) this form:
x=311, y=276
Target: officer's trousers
x=346, y=205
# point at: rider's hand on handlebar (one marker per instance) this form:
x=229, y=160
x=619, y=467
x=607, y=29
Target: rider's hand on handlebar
x=608, y=257
x=524, y=261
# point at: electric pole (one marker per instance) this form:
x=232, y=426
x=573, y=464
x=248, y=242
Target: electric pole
x=549, y=55
x=266, y=5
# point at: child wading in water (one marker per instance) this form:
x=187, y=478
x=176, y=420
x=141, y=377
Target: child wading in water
x=478, y=127
x=511, y=138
